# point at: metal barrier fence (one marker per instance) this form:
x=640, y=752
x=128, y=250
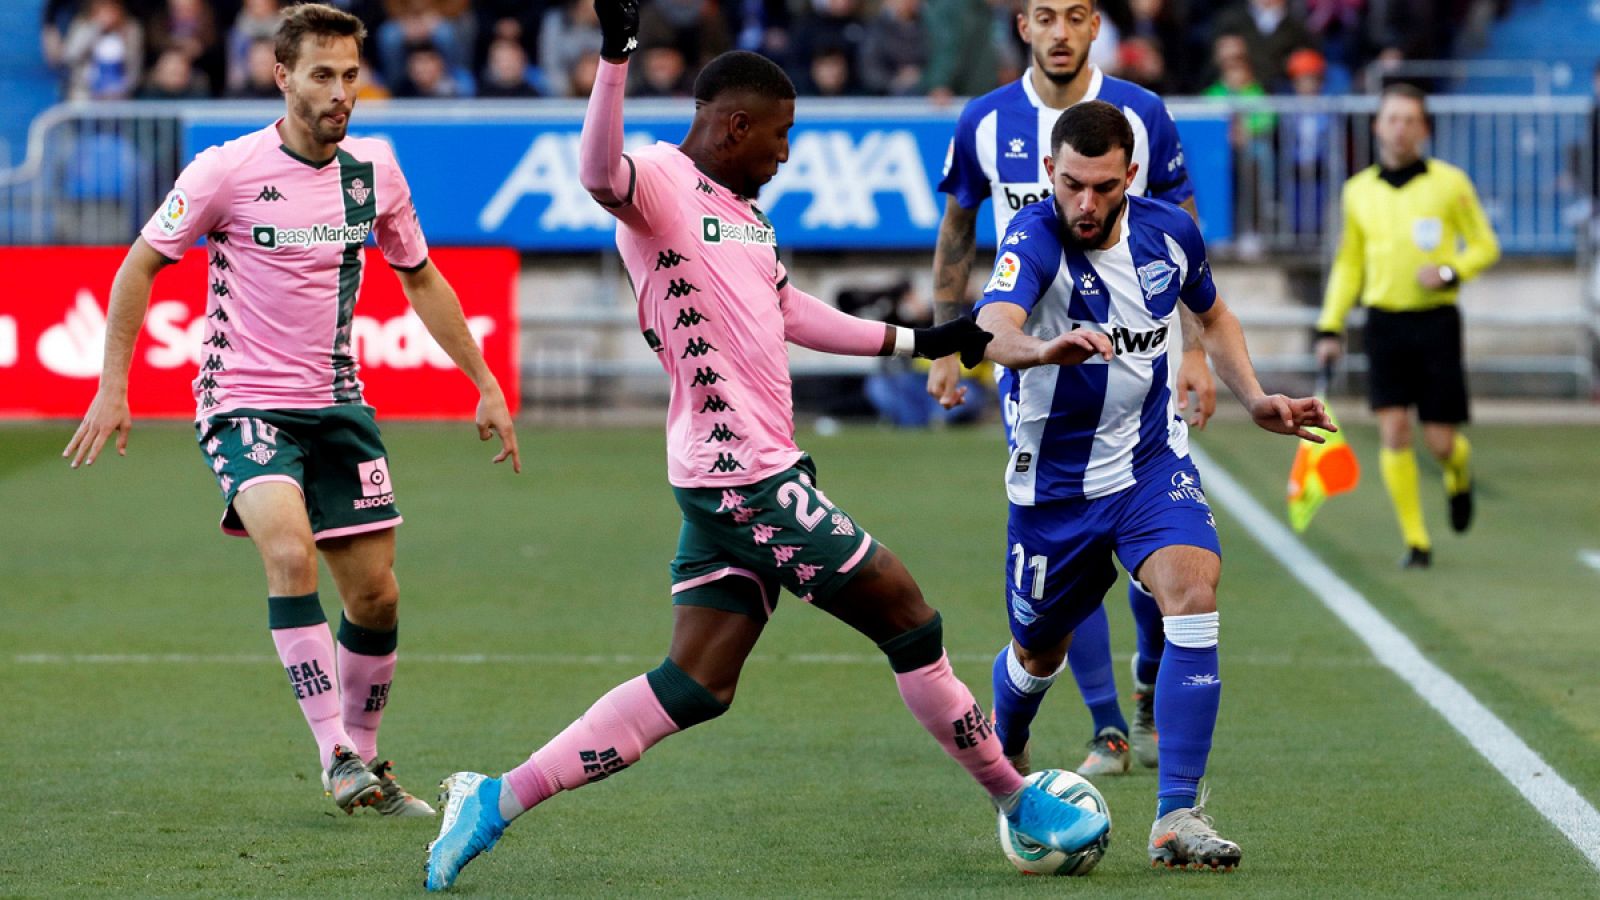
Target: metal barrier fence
x=94, y=172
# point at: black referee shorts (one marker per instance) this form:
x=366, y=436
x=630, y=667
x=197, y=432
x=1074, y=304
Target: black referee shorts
x=1415, y=360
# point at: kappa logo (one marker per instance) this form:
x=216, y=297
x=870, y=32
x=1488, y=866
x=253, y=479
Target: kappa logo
x=219, y=341
x=697, y=348
x=219, y=262
x=219, y=314
x=763, y=533
x=218, y=463
x=269, y=194
x=715, y=403
x=1155, y=277
x=358, y=191
x=782, y=553
x=220, y=288
x=804, y=572
x=722, y=434
x=213, y=363
x=725, y=463
x=744, y=514
x=706, y=376
x=731, y=500
x=260, y=454
x=688, y=318
x=681, y=288
x=705, y=187
x=666, y=259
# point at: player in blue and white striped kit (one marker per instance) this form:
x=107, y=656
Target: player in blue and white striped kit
x=1081, y=304
x=998, y=152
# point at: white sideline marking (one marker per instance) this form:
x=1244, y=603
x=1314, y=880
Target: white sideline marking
x=1550, y=794
x=1590, y=558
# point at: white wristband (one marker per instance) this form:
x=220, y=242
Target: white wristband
x=905, y=341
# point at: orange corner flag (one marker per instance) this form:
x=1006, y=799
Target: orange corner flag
x=1320, y=471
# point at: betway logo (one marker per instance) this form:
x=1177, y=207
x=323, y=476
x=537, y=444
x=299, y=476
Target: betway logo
x=1126, y=340
x=843, y=174
x=1020, y=195
x=400, y=343
x=271, y=237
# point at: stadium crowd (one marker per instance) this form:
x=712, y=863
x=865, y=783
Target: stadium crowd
x=181, y=49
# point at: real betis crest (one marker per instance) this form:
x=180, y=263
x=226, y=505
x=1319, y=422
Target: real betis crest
x=358, y=191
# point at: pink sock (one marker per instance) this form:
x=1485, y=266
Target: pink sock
x=611, y=736
x=307, y=655
x=364, y=683
x=946, y=709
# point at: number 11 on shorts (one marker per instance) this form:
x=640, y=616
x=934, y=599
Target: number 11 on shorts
x=1038, y=564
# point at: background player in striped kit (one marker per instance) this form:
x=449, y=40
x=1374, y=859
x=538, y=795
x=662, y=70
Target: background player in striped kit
x=280, y=416
x=998, y=153
x=1081, y=302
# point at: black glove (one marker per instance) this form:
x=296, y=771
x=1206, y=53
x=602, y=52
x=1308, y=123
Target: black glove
x=619, y=27
x=961, y=336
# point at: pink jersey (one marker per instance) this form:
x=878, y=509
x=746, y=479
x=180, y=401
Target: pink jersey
x=285, y=237
x=704, y=263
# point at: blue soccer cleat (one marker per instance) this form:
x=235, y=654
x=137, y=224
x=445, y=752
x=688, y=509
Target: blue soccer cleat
x=1049, y=820
x=472, y=825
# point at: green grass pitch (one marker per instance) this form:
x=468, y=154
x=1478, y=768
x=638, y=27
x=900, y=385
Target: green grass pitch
x=174, y=762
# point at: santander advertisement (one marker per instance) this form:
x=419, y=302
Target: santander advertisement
x=53, y=326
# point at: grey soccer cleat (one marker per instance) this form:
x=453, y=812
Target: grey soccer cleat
x=1187, y=838
x=392, y=799
x=1142, y=735
x=348, y=782
x=1108, y=754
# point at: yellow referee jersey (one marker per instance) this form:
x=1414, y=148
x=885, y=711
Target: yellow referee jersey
x=1432, y=218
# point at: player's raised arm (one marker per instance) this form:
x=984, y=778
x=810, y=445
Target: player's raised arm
x=811, y=323
x=608, y=175
x=440, y=311
x=108, y=413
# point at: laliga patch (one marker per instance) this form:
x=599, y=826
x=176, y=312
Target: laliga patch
x=1006, y=269
x=173, y=211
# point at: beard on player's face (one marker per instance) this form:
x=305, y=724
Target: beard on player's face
x=1062, y=74
x=1085, y=230
x=315, y=118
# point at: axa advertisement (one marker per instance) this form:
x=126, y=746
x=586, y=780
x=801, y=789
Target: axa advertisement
x=856, y=179
x=53, y=327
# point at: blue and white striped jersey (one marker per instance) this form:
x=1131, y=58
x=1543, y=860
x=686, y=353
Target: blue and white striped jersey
x=1092, y=429
x=1003, y=137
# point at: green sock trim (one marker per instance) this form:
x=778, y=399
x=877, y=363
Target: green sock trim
x=686, y=701
x=921, y=646
x=295, y=612
x=365, y=641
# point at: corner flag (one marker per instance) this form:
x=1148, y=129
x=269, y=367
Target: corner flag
x=1320, y=471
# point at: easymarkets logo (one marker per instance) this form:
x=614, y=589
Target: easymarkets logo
x=271, y=237
x=714, y=230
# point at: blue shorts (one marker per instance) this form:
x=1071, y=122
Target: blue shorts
x=1069, y=544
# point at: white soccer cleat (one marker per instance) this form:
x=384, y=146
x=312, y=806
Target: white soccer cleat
x=348, y=782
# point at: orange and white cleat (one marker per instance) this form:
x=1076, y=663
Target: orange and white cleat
x=1187, y=838
x=349, y=782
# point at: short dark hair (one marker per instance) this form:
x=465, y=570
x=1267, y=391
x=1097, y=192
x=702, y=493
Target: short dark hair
x=315, y=20
x=743, y=71
x=1092, y=128
x=1407, y=90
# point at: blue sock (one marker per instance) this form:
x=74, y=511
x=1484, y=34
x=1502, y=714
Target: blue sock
x=1017, y=696
x=1188, y=692
x=1147, y=626
x=1090, y=659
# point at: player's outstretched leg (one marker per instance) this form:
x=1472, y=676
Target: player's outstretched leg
x=1142, y=735
x=611, y=736
x=1090, y=660
x=884, y=603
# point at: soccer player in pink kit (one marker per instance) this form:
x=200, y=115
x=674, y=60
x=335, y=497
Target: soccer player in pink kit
x=280, y=419
x=716, y=305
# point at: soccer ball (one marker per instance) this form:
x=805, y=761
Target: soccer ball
x=1033, y=859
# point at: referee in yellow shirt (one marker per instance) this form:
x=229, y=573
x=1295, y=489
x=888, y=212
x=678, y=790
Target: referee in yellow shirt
x=1413, y=231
